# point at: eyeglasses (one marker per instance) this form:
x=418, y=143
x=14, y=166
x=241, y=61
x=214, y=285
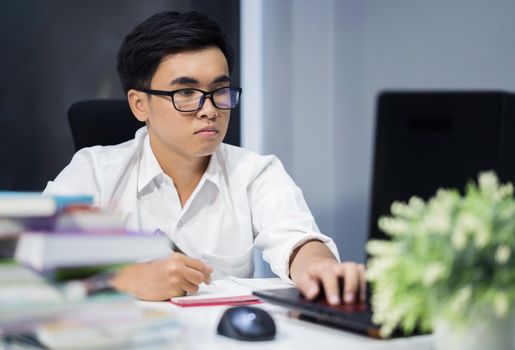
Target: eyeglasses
x=191, y=100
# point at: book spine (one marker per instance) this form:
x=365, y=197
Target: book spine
x=64, y=201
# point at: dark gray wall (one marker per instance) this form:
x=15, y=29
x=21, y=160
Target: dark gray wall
x=57, y=52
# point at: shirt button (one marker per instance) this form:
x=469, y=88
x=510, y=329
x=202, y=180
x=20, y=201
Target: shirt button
x=158, y=232
x=179, y=224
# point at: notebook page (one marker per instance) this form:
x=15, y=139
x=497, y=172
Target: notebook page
x=232, y=287
x=254, y=284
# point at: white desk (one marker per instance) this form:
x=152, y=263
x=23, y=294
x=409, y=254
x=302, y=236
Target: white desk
x=292, y=334
x=201, y=323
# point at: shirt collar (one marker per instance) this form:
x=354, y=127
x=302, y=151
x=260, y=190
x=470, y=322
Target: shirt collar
x=213, y=172
x=150, y=168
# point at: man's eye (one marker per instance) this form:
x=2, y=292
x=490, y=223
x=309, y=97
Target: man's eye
x=186, y=93
x=222, y=91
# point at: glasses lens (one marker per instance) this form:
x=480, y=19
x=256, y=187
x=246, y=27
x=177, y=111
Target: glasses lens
x=226, y=98
x=187, y=100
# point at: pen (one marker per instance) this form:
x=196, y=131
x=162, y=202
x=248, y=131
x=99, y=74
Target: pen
x=173, y=246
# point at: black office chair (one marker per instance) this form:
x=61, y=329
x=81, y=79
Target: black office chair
x=110, y=121
x=102, y=122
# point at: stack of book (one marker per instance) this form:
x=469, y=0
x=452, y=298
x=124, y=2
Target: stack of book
x=36, y=312
x=24, y=211
x=62, y=237
x=20, y=211
x=49, y=239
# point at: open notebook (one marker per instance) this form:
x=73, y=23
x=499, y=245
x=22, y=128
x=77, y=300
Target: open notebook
x=229, y=291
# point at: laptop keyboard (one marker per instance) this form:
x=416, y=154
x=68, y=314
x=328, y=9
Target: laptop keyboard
x=291, y=297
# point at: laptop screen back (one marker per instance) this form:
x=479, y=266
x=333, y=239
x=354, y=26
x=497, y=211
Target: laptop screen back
x=427, y=140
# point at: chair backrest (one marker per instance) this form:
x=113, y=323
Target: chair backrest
x=102, y=122
x=109, y=122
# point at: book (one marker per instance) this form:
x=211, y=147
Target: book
x=21, y=211
x=111, y=325
x=229, y=291
x=89, y=220
x=25, y=297
x=29, y=305
x=23, y=287
x=34, y=204
x=48, y=252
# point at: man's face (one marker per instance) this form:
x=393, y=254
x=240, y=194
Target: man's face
x=187, y=134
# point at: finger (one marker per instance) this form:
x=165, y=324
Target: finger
x=308, y=286
x=176, y=292
x=207, y=279
x=188, y=286
x=329, y=280
x=178, y=270
x=176, y=256
x=193, y=276
x=198, y=265
x=351, y=278
x=362, y=283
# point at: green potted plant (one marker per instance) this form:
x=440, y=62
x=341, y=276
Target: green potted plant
x=449, y=266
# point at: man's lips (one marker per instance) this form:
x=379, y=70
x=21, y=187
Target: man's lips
x=207, y=129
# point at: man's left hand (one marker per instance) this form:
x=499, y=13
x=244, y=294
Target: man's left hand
x=313, y=267
x=325, y=273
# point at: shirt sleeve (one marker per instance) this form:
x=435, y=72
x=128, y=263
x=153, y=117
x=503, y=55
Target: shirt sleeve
x=78, y=177
x=281, y=218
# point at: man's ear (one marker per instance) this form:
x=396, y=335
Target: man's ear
x=138, y=103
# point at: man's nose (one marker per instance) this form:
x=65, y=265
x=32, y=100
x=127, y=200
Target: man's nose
x=208, y=109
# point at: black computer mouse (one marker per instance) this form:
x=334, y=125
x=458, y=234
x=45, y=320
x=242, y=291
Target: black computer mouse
x=247, y=323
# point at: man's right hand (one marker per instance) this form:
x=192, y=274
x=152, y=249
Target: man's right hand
x=162, y=279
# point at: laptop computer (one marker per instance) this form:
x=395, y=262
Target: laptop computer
x=352, y=317
x=423, y=141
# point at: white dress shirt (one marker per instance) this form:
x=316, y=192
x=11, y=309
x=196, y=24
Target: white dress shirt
x=242, y=200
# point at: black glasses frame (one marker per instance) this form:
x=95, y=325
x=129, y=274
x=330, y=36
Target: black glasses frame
x=206, y=94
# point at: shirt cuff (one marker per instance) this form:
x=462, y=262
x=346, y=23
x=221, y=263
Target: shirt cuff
x=280, y=264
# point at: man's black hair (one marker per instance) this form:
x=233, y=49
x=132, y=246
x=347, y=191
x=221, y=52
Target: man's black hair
x=163, y=34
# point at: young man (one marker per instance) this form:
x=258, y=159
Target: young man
x=214, y=201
